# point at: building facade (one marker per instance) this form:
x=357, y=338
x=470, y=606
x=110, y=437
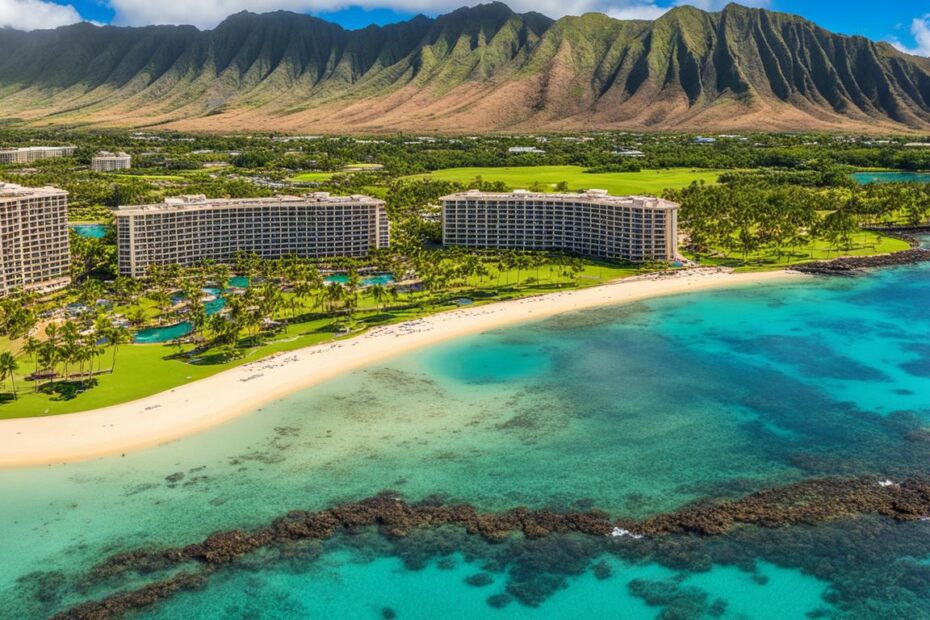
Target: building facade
x=594, y=223
x=190, y=229
x=34, y=250
x=29, y=154
x=105, y=161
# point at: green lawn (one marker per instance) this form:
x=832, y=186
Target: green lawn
x=864, y=243
x=648, y=182
x=143, y=370
x=312, y=177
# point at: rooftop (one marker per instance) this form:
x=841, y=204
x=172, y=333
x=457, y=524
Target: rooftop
x=108, y=154
x=599, y=196
x=36, y=148
x=11, y=190
x=200, y=202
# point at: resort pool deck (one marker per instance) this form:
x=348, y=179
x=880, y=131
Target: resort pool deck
x=163, y=334
x=160, y=335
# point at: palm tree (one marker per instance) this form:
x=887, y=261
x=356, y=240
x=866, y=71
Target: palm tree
x=49, y=356
x=31, y=348
x=116, y=336
x=8, y=368
x=70, y=346
x=378, y=294
x=335, y=293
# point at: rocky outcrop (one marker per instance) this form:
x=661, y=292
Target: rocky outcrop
x=119, y=605
x=857, y=265
x=808, y=502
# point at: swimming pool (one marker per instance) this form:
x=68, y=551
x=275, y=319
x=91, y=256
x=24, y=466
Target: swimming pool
x=343, y=278
x=167, y=333
x=90, y=231
x=867, y=178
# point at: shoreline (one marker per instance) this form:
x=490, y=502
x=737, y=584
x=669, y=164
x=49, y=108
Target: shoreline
x=203, y=404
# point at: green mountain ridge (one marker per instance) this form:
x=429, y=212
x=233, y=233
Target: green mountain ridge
x=475, y=69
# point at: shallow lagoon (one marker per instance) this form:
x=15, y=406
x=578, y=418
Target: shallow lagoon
x=634, y=409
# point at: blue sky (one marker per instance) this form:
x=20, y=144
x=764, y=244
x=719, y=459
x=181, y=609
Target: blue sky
x=906, y=22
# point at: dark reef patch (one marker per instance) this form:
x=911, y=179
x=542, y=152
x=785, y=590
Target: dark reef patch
x=549, y=546
x=919, y=367
x=499, y=601
x=479, y=580
x=677, y=601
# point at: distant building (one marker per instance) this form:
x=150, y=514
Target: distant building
x=104, y=161
x=525, y=149
x=594, y=223
x=702, y=140
x=294, y=138
x=29, y=154
x=190, y=229
x=34, y=250
x=629, y=153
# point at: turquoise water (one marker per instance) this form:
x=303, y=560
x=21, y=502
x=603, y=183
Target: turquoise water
x=92, y=231
x=866, y=178
x=239, y=282
x=635, y=410
x=167, y=333
x=342, y=278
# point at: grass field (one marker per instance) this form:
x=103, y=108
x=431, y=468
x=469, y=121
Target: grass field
x=318, y=177
x=312, y=177
x=864, y=243
x=650, y=182
x=142, y=370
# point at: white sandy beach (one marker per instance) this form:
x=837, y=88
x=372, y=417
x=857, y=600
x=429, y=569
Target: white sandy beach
x=202, y=404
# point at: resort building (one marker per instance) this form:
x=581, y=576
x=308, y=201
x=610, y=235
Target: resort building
x=634, y=228
x=29, y=154
x=105, y=161
x=189, y=229
x=34, y=251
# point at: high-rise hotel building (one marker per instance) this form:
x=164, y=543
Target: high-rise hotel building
x=104, y=161
x=190, y=229
x=34, y=251
x=594, y=223
x=29, y=154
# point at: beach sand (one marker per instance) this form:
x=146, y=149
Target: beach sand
x=208, y=402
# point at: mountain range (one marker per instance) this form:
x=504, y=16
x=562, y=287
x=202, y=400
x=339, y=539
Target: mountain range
x=483, y=68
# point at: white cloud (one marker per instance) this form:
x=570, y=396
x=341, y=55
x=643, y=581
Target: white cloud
x=716, y=5
x=637, y=11
x=36, y=14
x=208, y=13
x=920, y=28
